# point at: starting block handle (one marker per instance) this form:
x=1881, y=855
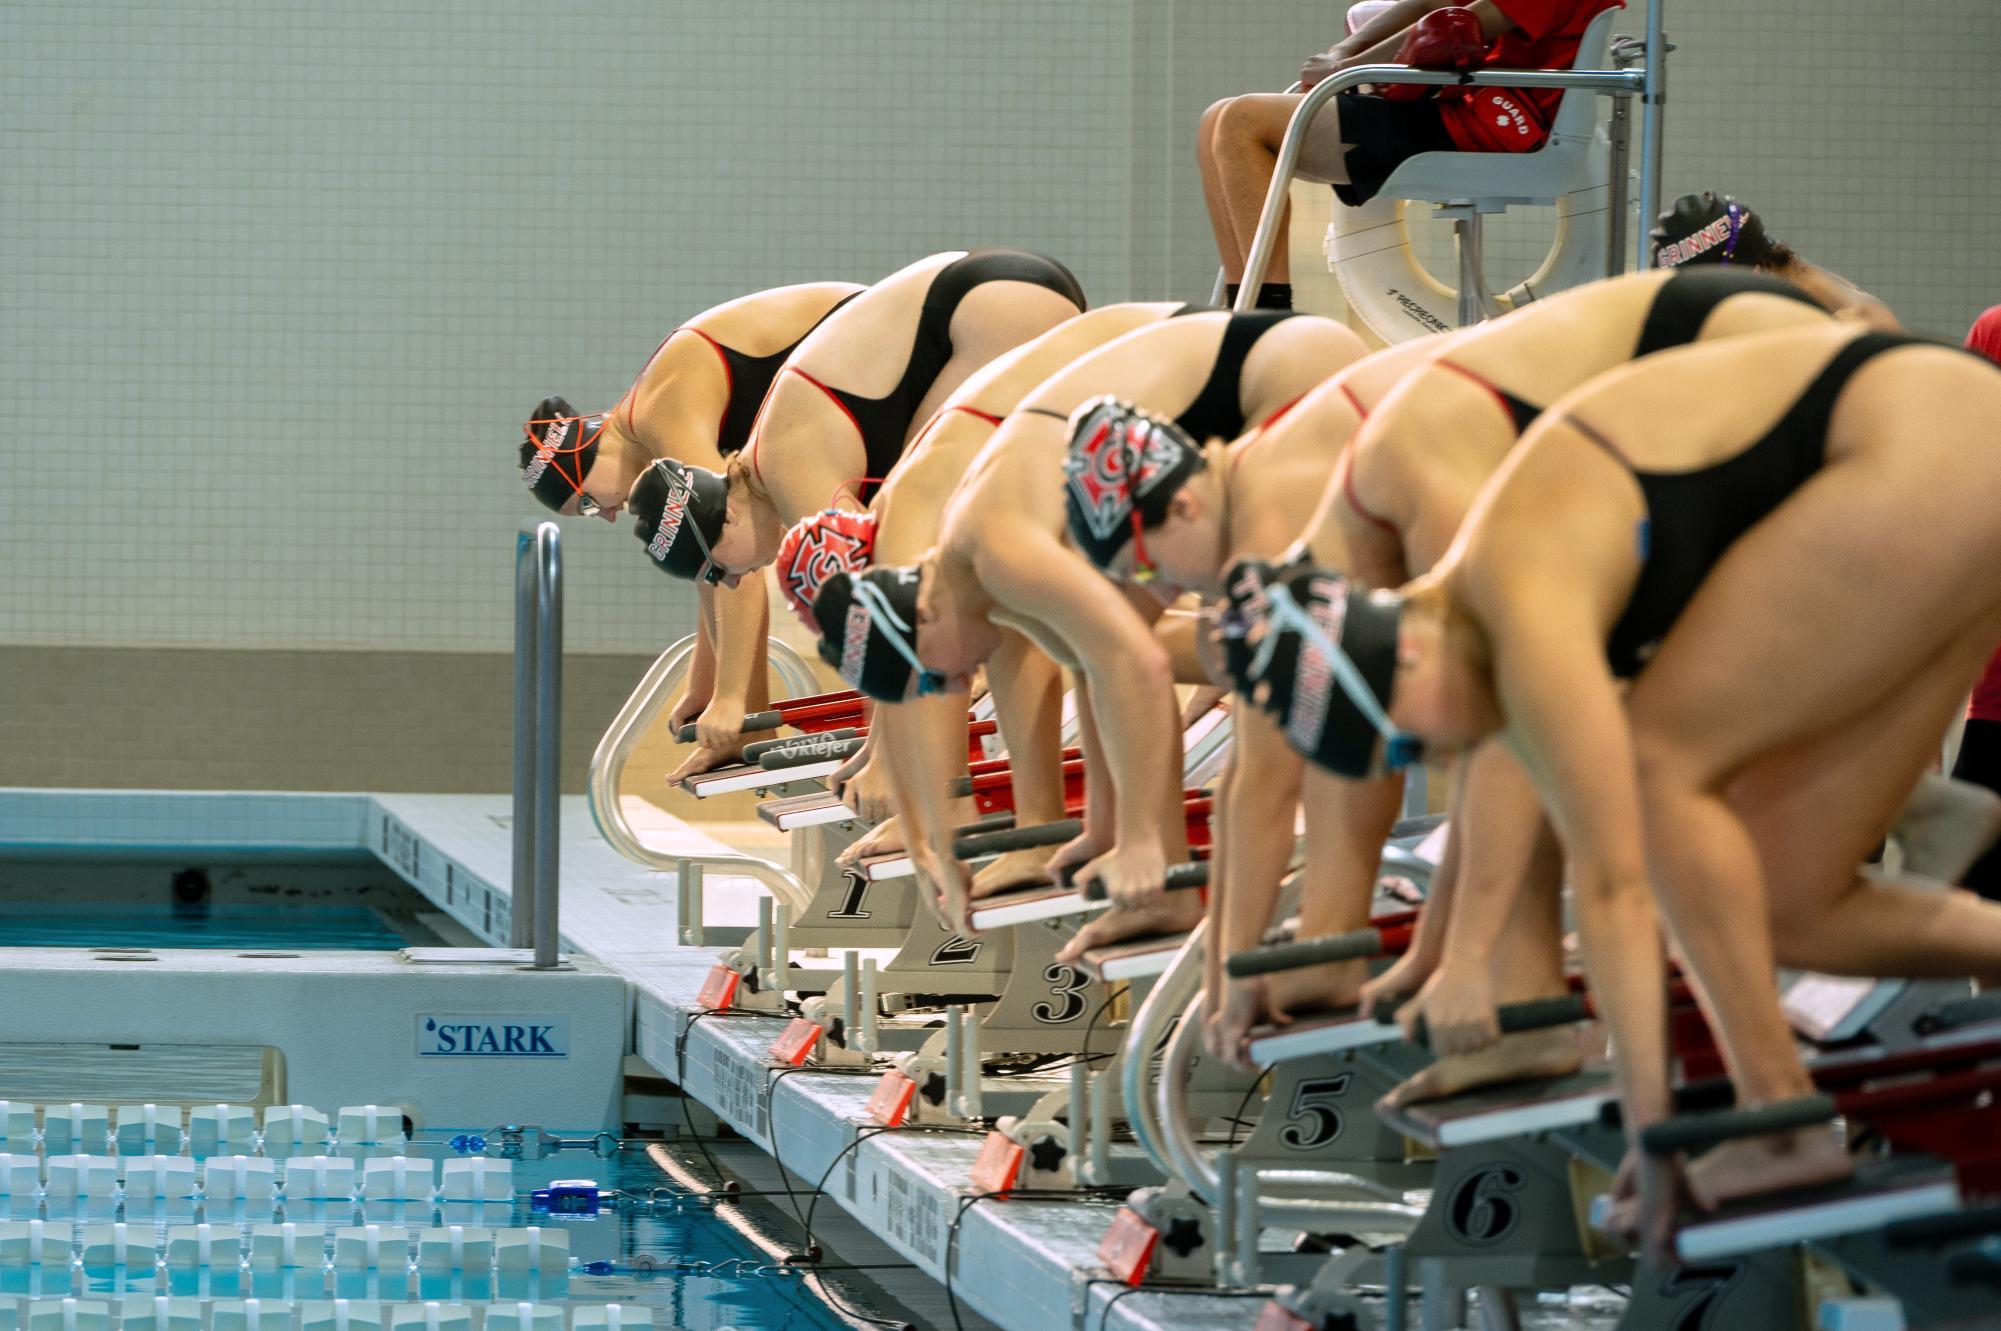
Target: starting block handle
x=1693, y=1132
x=1017, y=838
x=1961, y=1012
x=1305, y=952
x=1935, y=1231
x=754, y=722
x=798, y=753
x=1534, y=1014
x=1179, y=878
x=752, y=752
x=1980, y=1265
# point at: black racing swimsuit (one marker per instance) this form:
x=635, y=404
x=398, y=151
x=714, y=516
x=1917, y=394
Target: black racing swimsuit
x=1218, y=410
x=1694, y=517
x=748, y=379
x=1680, y=307
x=884, y=422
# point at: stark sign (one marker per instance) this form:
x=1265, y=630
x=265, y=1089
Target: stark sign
x=477, y=1035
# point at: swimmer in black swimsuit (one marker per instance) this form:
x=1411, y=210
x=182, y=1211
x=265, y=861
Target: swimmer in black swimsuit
x=841, y=412
x=693, y=402
x=1004, y=562
x=1789, y=540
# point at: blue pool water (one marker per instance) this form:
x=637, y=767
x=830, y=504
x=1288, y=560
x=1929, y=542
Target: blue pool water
x=668, y=1253
x=290, y=928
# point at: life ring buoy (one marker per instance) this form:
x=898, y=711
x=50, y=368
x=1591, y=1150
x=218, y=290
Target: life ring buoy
x=1369, y=252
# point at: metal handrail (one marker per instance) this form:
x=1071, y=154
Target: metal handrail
x=644, y=704
x=1649, y=83
x=534, y=906
x=1150, y=1027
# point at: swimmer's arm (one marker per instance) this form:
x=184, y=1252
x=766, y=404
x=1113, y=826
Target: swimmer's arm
x=743, y=623
x=1841, y=296
x=1101, y=802
x=1176, y=632
x=1376, y=41
x=701, y=682
x=1498, y=818
x=924, y=743
x=1253, y=830
x=1027, y=689
x=1125, y=668
x=1567, y=724
x=1346, y=825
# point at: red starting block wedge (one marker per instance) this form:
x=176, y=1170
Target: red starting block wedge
x=1127, y=1248
x=719, y=990
x=795, y=1042
x=999, y=1164
x=890, y=1104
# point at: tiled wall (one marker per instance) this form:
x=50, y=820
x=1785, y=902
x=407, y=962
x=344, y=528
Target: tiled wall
x=282, y=277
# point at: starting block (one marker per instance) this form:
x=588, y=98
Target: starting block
x=251, y=1315
x=140, y=1126
x=36, y=1242
x=68, y=1315
x=274, y=1247
x=371, y=1125
x=478, y=1179
x=520, y=1251
x=148, y=1312
x=371, y=1248
x=120, y=1244
x=455, y=1248
x=191, y=1246
x=158, y=1177
x=400, y=1178
x=76, y=1128
x=342, y=1315
x=239, y=1177
x=82, y=1175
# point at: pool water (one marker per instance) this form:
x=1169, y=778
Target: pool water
x=113, y=924
x=665, y=1251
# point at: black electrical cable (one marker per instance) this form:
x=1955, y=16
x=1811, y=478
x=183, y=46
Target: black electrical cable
x=770, y=1099
x=1237, y=1119
x=1107, y=1193
x=681, y=1082
x=1104, y=1318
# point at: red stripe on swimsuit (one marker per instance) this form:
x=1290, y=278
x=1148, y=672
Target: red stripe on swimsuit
x=631, y=394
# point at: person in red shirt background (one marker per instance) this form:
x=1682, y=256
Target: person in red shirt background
x=1358, y=140
x=1979, y=758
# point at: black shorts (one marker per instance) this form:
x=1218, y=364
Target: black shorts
x=1382, y=135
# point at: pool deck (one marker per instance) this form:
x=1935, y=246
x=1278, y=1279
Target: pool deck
x=1027, y=1265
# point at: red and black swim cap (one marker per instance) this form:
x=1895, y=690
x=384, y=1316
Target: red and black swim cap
x=558, y=451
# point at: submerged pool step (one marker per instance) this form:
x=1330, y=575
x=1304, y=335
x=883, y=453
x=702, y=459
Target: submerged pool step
x=141, y=1312
x=138, y=1246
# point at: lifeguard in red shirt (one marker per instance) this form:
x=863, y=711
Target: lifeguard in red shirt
x=1358, y=140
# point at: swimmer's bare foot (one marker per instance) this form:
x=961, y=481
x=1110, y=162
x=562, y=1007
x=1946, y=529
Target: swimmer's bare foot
x=1017, y=868
x=1777, y=1162
x=1945, y=826
x=1526, y=1056
x=885, y=838
x=706, y=759
x=1170, y=913
x=1331, y=984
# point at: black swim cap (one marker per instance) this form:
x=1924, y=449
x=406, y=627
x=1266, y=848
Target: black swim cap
x=1327, y=659
x=1122, y=469
x=868, y=632
x=678, y=511
x=1702, y=228
x=560, y=448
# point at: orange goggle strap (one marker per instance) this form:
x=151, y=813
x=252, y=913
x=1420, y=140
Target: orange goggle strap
x=555, y=474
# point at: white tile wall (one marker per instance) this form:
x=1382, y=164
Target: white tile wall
x=282, y=277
